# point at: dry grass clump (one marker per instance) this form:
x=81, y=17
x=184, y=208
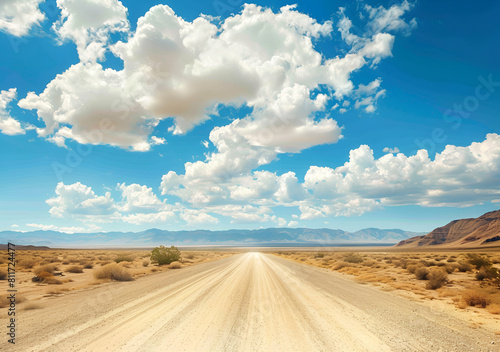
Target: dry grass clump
x=145, y=263
x=486, y=273
x=75, y=269
x=437, y=278
x=48, y=268
x=124, y=258
x=476, y=298
x=113, y=272
x=494, y=308
x=174, y=265
x=48, y=278
x=464, y=266
x=422, y=273
x=26, y=263
x=353, y=258
x=88, y=265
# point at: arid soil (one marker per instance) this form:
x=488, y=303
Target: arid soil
x=246, y=302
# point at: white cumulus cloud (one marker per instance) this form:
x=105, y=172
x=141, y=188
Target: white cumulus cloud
x=17, y=17
x=8, y=125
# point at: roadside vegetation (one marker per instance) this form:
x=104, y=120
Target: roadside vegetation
x=462, y=279
x=42, y=273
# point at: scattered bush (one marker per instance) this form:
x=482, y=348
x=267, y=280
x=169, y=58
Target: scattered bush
x=422, y=273
x=319, y=255
x=88, y=265
x=27, y=263
x=145, y=263
x=353, y=258
x=48, y=268
x=486, y=273
x=478, y=260
x=449, y=269
x=123, y=258
x=464, y=266
x=174, y=265
x=475, y=298
x=47, y=278
x=113, y=272
x=437, y=278
x=163, y=255
x=412, y=268
x=75, y=269
x=494, y=308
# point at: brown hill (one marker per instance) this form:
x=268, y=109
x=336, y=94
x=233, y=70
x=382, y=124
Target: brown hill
x=476, y=232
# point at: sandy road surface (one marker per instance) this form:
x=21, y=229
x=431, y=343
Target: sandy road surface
x=248, y=302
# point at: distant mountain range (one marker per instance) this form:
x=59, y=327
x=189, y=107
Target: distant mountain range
x=262, y=237
x=483, y=231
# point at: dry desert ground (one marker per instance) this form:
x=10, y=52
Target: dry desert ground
x=271, y=300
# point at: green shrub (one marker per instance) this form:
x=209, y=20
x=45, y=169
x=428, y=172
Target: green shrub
x=163, y=255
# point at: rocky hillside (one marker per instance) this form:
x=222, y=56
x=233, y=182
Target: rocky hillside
x=476, y=232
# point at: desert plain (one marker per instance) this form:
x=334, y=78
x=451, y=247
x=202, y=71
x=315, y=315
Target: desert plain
x=257, y=299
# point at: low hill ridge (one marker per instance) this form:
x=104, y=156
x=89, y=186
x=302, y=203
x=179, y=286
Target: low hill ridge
x=472, y=232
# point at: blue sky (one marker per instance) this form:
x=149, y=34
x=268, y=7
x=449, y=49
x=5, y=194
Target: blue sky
x=334, y=114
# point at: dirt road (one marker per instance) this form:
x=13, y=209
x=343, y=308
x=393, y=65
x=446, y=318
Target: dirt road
x=248, y=302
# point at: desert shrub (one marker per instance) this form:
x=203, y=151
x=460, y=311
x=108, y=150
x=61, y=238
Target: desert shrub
x=486, y=273
x=451, y=259
x=427, y=262
x=341, y=265
x=48, y=268
x=319, y=255
x=191, y=256
x=124, y=258
x=145, y=263
x=422, y=273
x=411, y=268
x=475, y=298
x=174, y=265
x=163, y=255
x=3, y=275
x=494, y=308
x=47, y=278
x=113, y=272
x=464, y=266
x=478, y=260
x=75, y=269
x=449, y=268
x=27, y=263
x=353, y=258
x=88, y=265
x=437, y=278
